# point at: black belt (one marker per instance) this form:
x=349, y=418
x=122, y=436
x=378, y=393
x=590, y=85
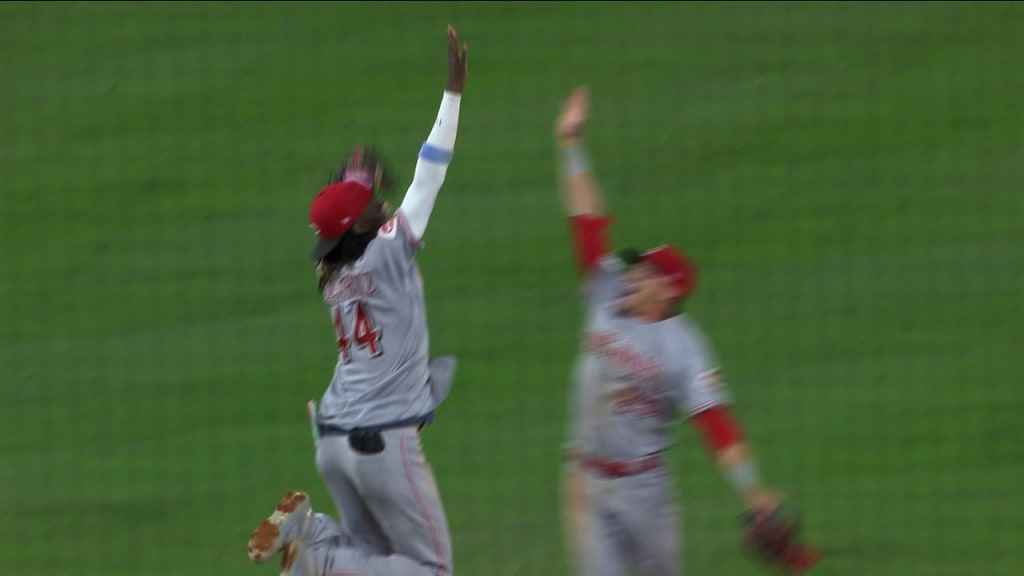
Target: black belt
x=327, y=430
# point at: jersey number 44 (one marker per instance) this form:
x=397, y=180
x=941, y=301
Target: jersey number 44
x=364, y=333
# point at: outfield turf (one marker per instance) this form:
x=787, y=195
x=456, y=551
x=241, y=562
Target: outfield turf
x=849, y=177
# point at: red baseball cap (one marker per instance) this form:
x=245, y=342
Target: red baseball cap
x=675, y=265
x=335, y=209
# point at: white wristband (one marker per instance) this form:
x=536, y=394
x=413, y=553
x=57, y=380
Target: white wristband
x=744, y=476
x=576, y=160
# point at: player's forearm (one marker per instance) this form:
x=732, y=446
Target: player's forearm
x=738, y=466
x=432, y=165
x=724, y=437
x=580, y=190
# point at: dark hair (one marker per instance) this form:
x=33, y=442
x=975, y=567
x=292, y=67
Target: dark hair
x=353, y=242
x=630, y=256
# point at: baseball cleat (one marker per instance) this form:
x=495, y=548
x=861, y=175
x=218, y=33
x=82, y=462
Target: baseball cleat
x=284, y=528
x=292, y=563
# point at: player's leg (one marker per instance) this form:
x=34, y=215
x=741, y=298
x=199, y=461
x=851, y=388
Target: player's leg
x=313, y=544
x=289, y=521
x=653, y=522
x=293, y=529
x=334, y=459
x=331, y=559
x=399, y=487
x=574, y=515
x=594, y=535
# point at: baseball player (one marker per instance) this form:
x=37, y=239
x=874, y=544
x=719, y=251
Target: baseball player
x=642, y=364
x=385, y=388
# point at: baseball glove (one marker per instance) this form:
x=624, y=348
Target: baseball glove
x=772, y=538
x=368, y=166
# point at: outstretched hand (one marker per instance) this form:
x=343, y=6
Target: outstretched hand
x=574, y=116
x=773, y=537
x=766, y=500
x=456, y=62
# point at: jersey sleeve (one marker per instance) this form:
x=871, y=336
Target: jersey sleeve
x=396, y=239
x=431, y=166
x=603, y=284
x=590, y=240
x=700, y=383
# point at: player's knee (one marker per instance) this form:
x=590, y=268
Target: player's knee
x=445, y=569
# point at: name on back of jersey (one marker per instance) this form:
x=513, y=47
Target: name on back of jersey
x=349, y=286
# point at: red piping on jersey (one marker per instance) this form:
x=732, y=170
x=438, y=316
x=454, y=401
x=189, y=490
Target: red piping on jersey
x=589, y=239
x=718, y=427
x=438, y=548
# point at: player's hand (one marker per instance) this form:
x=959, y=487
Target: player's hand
x=765, y=500
x=456, y=62
x=570, y=123
x=771, y=534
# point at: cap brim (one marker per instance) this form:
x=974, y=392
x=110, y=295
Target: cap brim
x=324, y=247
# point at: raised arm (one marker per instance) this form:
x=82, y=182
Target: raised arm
x=581, y=194
x=436, y=152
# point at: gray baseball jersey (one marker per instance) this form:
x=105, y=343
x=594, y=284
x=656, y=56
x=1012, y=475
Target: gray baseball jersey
x=380, y=320
x=634, y=378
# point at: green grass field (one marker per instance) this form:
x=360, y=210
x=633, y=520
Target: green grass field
x=849, y=177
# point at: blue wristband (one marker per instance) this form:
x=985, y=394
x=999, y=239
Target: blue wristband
x=434, y=154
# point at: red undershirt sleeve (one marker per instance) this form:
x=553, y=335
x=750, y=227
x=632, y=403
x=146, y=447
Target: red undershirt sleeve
x=718, y=427
x=590, y=239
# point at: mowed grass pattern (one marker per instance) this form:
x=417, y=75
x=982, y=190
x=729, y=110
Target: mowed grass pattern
x=848, y=176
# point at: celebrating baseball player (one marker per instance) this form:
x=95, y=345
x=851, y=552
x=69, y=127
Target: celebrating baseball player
x=643, y=364
x=385, y=388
